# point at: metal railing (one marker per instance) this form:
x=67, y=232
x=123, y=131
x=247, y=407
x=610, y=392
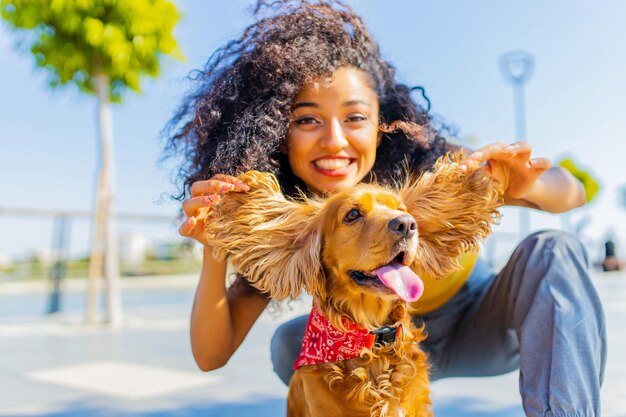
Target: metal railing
x=61, y=239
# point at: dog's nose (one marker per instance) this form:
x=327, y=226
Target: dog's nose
x=404, y=225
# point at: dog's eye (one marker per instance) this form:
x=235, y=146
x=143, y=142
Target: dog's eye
x=352, y=216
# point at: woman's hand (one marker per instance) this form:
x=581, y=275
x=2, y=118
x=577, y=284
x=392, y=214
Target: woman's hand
x=511, y=165
x=203, y=195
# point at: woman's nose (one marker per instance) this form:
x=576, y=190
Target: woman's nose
x=334, y=138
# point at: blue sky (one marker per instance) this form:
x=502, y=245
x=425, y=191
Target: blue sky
x=575, y=105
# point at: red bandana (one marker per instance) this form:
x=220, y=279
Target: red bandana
x=324, y=343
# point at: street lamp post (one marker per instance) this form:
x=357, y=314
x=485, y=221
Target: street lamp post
x=517, y=68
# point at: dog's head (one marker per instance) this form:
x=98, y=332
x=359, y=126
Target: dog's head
x=369, y=241
x=358, y=252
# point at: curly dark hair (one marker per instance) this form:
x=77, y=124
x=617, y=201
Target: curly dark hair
x=237, y=116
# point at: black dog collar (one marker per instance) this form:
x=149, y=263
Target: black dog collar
x=386, y=334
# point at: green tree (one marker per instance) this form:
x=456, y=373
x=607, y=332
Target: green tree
x=591, y=185
x=104, y=48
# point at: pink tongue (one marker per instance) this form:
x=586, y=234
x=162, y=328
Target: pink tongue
x=402, y=280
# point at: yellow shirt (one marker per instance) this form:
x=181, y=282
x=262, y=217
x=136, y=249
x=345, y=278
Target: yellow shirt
x=438, y=291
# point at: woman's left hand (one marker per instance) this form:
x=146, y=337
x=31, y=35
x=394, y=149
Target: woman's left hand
x=511, y=165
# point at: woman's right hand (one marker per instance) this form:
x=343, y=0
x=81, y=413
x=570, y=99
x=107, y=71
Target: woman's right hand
x=203, y=195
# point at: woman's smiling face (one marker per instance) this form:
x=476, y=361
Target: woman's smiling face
x=333, y=133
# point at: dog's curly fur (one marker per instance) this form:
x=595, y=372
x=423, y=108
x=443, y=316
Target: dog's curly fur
x=285, y=246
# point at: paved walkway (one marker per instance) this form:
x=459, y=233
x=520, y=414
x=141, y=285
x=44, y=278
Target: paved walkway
x=55, y=366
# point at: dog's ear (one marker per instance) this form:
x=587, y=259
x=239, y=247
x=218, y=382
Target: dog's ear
x=274, y=242
x=454, y=211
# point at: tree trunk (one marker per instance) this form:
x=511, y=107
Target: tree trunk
x=104, y=246
x=97, y=252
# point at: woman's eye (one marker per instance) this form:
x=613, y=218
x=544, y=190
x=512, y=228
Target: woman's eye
x=356, y=118
x=352, y=216
x=306, y=120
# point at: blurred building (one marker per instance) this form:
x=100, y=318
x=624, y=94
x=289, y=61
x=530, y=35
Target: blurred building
x=134, y=247
x=6, y=261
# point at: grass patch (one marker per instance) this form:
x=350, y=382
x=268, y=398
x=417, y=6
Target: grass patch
x=35, y=270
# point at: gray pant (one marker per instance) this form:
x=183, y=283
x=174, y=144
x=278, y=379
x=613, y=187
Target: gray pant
x=540, y=314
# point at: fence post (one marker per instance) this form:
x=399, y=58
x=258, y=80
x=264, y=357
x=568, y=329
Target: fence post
x=57, y=273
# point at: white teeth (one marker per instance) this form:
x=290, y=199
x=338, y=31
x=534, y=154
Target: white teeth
x=332, y=163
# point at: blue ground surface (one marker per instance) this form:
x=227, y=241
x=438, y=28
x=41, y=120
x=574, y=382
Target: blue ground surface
x=41, y=354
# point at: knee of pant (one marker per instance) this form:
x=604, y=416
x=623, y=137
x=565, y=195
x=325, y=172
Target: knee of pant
x=549, y=254
x=556, y=246
x=284, y=348
x=280, y=344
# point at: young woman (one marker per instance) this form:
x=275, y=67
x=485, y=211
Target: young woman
x=305, y=94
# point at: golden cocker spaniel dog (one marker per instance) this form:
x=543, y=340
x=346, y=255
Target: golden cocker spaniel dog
x=359, y=253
